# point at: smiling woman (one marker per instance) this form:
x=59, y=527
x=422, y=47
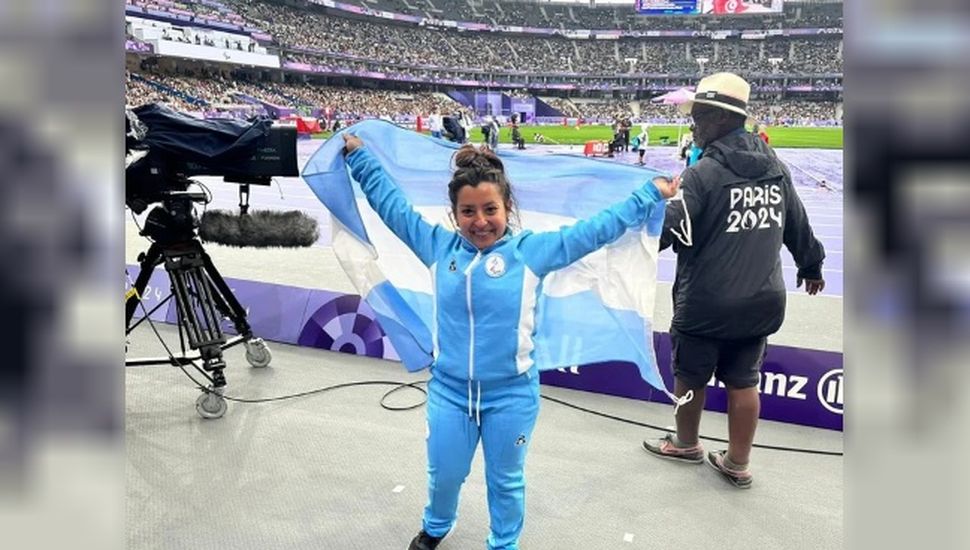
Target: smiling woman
x=481, y=196
x=487, y=281
x=481, y=213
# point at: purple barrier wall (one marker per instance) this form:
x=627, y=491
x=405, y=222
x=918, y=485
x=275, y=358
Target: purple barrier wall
x=798, y=386
x=293, y=315
x=156, y=291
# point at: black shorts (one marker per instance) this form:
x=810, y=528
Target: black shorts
x=737, y=363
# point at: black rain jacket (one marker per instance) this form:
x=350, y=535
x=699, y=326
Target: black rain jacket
x=739, y=207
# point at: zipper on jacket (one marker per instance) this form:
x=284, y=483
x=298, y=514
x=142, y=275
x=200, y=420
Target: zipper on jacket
x=471, y=314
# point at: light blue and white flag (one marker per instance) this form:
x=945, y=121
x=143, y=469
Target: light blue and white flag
x=596, y=310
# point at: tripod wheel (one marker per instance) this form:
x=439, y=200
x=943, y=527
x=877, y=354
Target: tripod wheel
x=211, y=405
x=257, y=353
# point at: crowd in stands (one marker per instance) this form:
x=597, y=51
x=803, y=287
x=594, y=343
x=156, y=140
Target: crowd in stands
x=771, y=112
x=797, y=113
x=404, y=51
x=818, y=57
x=532, y=14
x=607, y=110
x=405, y=48
x=416, y=46
x=564, y=106
x=210, y=92
x=213, y=92
x=138, y=92
x=580, y=16
x=210, y=10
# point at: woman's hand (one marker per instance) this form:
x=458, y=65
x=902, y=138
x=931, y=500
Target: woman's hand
x=666, y=187
x=351, y=143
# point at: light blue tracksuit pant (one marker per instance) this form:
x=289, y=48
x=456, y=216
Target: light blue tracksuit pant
x=502, y=414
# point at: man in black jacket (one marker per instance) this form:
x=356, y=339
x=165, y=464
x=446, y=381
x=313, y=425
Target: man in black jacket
x=738, y=208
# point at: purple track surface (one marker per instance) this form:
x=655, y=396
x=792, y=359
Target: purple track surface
x=817, y=175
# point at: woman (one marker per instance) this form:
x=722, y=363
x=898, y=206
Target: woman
x=487, y=280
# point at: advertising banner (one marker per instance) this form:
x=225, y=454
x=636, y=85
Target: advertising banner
x=798, y=386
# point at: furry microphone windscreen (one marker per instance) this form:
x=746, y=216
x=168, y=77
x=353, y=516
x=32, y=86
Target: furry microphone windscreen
x=259, y=228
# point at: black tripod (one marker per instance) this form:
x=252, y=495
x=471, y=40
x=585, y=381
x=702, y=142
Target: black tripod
x=202, y=300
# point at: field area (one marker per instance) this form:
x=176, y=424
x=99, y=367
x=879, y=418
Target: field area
x=802, y=137
x=794, y=137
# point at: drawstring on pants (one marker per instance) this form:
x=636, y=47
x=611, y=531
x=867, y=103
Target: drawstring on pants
x=478, y=406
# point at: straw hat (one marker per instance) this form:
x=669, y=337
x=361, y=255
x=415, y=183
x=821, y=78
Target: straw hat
x=724, y=90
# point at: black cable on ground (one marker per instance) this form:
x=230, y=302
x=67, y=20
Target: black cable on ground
x=708, y=438
x=398, y=386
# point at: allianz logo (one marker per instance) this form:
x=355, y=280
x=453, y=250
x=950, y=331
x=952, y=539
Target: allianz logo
x=830, y=389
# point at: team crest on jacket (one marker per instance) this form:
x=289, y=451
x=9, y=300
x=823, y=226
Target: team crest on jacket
x=495, y=265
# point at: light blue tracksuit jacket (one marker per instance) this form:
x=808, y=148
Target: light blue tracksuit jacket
x=484, y=381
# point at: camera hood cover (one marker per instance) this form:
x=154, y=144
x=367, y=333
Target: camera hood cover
x=203, y=141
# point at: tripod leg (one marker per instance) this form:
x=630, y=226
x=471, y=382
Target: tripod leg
x=197, y=311
x=257, y=352
x=225, y=300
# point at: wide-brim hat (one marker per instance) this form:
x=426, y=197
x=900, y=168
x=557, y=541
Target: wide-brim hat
x=727, y=91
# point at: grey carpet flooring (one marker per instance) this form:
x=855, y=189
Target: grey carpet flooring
x=336, y=471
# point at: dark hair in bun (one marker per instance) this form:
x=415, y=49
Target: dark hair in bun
x=474, y=166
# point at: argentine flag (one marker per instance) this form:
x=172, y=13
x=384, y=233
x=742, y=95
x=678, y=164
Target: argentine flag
x=597, y=309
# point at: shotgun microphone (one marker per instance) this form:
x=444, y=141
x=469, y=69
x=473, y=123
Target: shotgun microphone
x=259, y=228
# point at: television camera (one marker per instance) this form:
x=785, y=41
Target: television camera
x=165, y=149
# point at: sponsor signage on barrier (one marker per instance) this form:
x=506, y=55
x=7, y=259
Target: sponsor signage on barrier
x=156, y=291
x=797, y=386
x=288, y=314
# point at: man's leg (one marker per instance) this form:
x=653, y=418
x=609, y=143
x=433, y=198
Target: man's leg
x=740, y=370
x=689, y=414
x=693, y=360
x=744, y=408
x=739, y=367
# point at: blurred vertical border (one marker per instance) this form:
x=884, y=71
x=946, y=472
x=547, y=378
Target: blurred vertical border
x=61, y=274
x=907, y=163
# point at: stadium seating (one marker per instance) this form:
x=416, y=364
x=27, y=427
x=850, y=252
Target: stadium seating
x=327, y=52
